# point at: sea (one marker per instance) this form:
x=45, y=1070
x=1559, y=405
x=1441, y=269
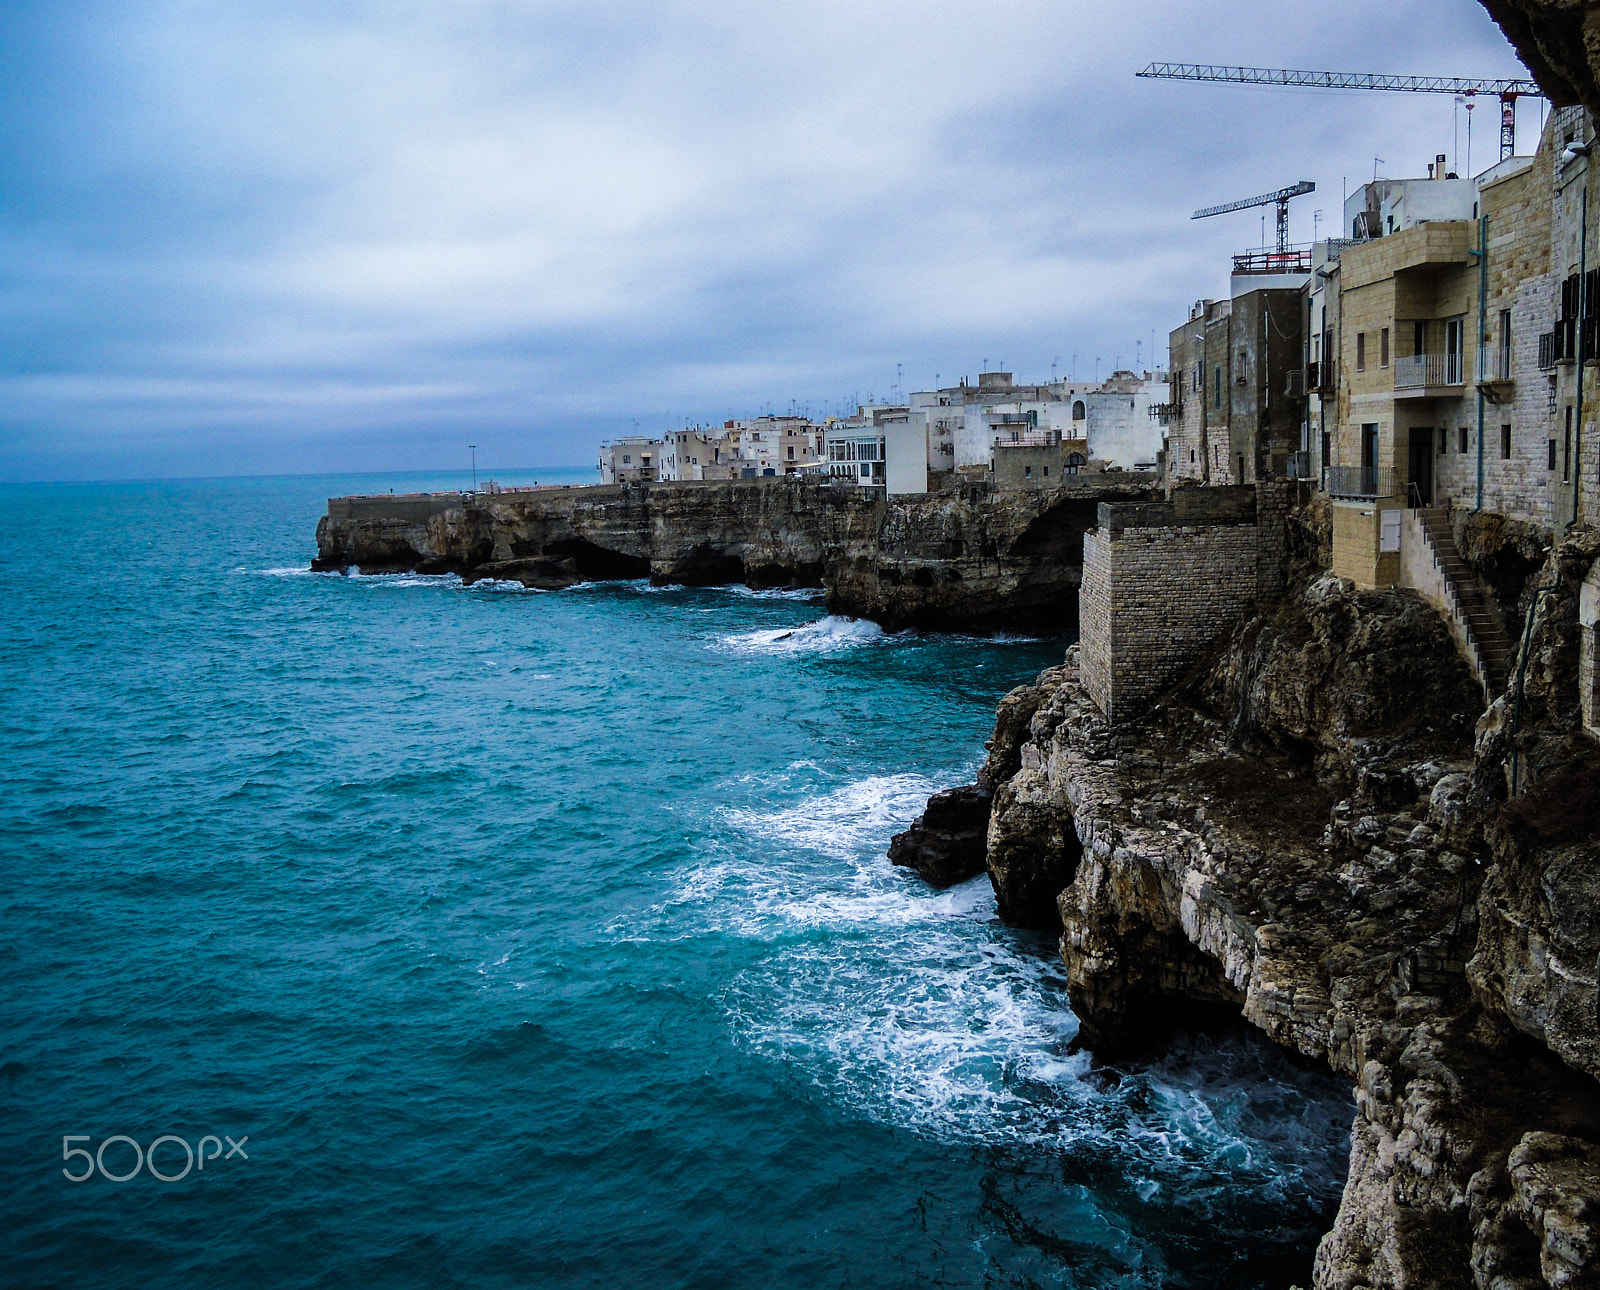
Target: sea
x=382, y=931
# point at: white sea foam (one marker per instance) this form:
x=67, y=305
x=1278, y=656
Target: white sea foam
x=290, y=571
x=824, y=636
x=914, y=1008
x=772, y=593
x=504, y=585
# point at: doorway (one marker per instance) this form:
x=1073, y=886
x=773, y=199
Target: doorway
x=1421, y=467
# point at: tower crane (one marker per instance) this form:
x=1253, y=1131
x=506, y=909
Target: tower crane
x=1280, y=199
x=1507, y=91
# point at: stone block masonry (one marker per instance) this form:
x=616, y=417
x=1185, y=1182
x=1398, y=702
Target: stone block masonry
x=1161, y=580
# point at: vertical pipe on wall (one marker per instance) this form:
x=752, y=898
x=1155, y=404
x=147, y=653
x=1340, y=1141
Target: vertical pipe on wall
x=1483, y=339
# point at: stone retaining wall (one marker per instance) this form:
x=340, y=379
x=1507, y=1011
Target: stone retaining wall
x=1161, y=580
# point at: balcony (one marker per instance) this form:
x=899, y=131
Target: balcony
x=1320, y=378
x=1424, y=372
x=1299, y=466
x=1360, y=483
x=1295, y=383
x=1166, y=413
x=1495, y=367
x=1026, y=438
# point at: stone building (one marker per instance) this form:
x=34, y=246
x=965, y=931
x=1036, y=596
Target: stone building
x=635, y=459
x=1236, y=397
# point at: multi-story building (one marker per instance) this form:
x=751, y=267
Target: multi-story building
x=857, y=446
x=632, y=460
x=1235, y=399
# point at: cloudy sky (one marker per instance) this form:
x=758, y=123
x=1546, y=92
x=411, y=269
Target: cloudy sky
x=264, y=236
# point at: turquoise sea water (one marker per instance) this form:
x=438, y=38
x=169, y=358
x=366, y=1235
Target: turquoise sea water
x=547, y=939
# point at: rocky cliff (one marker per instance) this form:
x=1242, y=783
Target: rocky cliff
x=1559, y=42
x=1311, y=831
x=970, y=558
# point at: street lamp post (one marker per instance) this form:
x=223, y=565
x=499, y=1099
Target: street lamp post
x=474, y=448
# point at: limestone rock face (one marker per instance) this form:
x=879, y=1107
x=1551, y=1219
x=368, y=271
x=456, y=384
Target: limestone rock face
x=1538, y=947
x=1342, y=666
x=1304, y=837
x=946, y=843
x=973, y=558
x=1559, y=42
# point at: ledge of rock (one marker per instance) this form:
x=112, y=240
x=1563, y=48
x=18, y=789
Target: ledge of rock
x=945, y=844
x=1306, y=832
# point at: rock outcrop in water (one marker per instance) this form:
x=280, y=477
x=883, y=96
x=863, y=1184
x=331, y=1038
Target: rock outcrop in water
x=947, y=842
x=1311, y=831
x=972, y=558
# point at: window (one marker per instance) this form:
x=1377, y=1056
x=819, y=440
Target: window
x=1383, y=348
x=626, y=460
x=1444, y=436
x=1361, y=351
x=1566, y=448
x=1191, y=456
x=1077, y=407
x=1027, y=472
x=1326, y=445
x=1463, y=438
x=791, y=452
x=1217, y=396
x=1047, y=472
x=1241, y=468
x=1505, y=345
x=1505, y=443
x=1552, y=464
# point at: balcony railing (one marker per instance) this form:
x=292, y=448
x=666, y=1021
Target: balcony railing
x=1319, y=378
x=1416, y=371
x=1299, y=466
x=1295, y=383
x=1548, y=342
x=1360, y=481
x=1166, y=413
x=1026, y=438
x=1494, y=363
x=1272, y=262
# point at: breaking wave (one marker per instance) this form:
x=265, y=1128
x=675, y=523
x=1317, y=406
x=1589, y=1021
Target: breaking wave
x=821, y=637
x=916, y=1009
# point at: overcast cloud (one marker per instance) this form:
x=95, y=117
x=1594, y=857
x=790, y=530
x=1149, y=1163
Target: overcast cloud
x=251, y=236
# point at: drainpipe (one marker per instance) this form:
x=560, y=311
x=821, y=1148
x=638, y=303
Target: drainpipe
x=1583, y=271
x=1483, y=323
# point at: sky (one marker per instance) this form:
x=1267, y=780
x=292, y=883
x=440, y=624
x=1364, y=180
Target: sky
x=285, y=236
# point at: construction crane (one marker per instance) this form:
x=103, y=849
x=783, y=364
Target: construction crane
x=1280, y=199
x=1507, y=91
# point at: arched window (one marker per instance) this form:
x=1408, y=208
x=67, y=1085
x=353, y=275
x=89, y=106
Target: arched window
x=1075, y=462
x=1077, y=410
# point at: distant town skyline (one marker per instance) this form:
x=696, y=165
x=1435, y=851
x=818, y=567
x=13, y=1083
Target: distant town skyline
x=246, y=239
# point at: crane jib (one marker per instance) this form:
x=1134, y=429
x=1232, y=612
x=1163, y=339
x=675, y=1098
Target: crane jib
x=1341, y=80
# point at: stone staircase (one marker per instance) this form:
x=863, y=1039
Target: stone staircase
x=1491, y=649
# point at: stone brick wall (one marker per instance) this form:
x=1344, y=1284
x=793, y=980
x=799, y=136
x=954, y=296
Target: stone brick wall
x=1162, y=579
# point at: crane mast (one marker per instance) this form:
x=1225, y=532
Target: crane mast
x=1507, y=91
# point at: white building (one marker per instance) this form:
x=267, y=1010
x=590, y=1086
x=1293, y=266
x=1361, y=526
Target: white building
x=857, y=447
x=1118, y=429
x=633, y=460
